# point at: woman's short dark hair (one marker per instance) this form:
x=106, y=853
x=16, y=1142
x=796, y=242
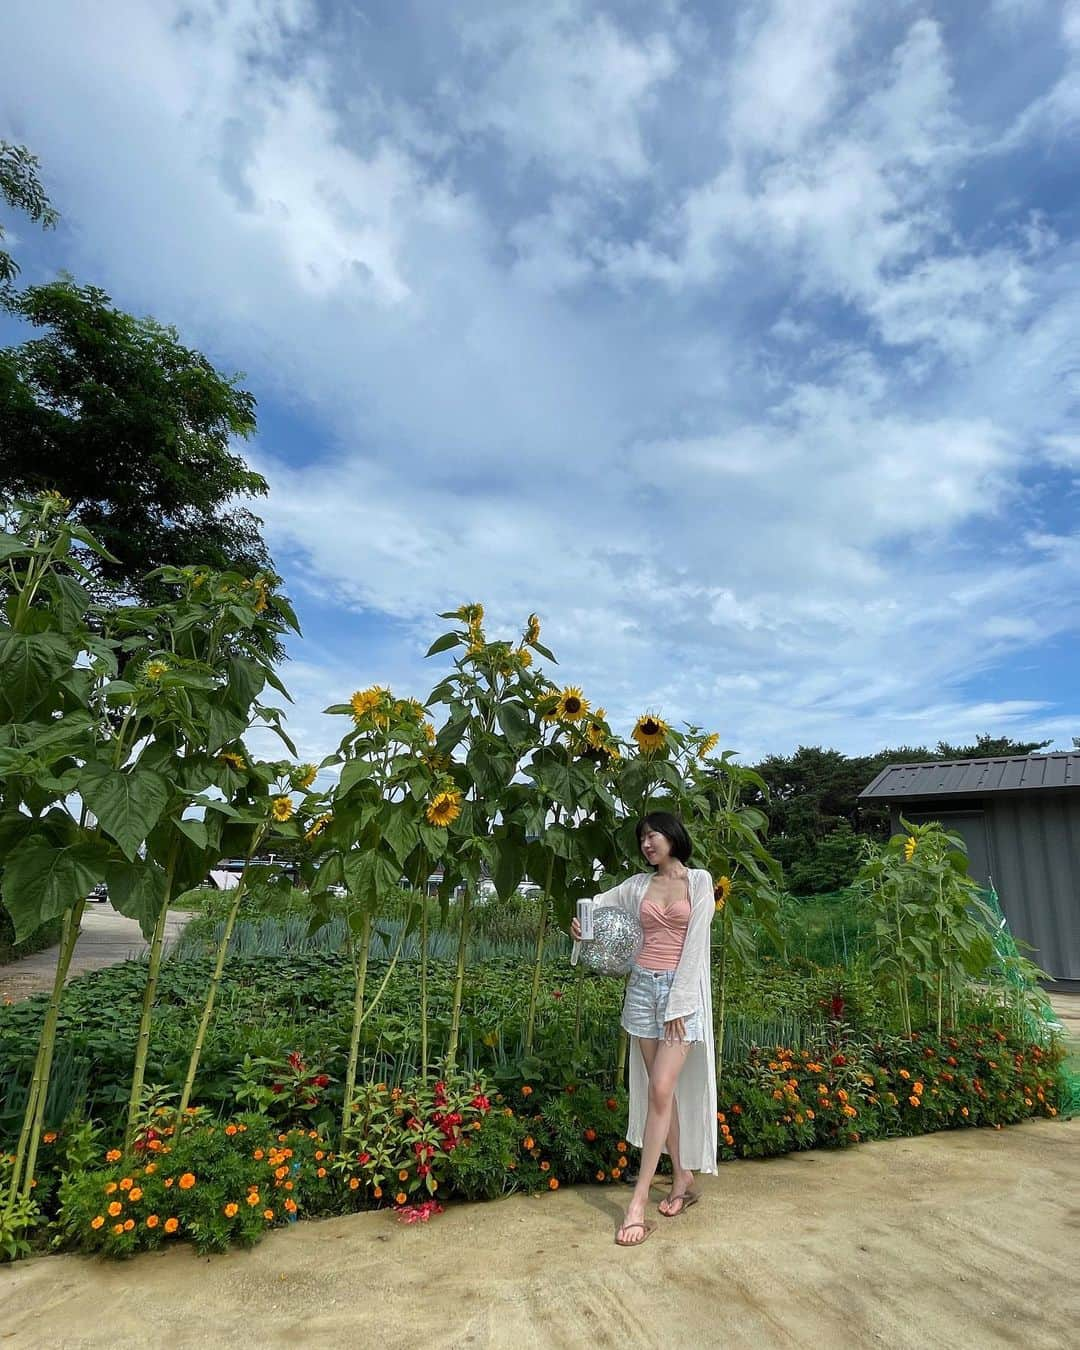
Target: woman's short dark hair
x=673, y=830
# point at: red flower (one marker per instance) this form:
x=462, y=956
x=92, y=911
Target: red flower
x=323, y=1080
x=556, y=993
x=363, y=1158
x=481, y=1102
x=277, y=1087
x=839, y=1059
x=295, y=1060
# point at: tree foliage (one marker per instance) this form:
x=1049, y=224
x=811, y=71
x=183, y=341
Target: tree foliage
x=21, y=188
x=817, y=822
x=134, y=429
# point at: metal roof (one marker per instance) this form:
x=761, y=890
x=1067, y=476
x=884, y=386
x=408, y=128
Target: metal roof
x=974, y=777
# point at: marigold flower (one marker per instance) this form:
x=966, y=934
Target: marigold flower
x=290, y=1205
x=151, y=1221
x=545, y=1166
x=150, y=1168
x=528, y=1141
x=113, y=1155
x=914, y=1101
x=48, y=1137
x=135, y=1195
x=253, y=1199
x=230, y=1129
x=376, y=1191
x=258, y=1155
x=268, y=1214
x=129, y=1224
x=444, y=808
x=171, y=1225
x=526, y=1090
x=115, y=1208
x=96, y=1221
x=231, y=1208
x=917, y=1089
x=403, y=1175
x=118, y=1228
x=553, y=1183
x=110, y=1187
x=354, y=1182
x=621, y=1145
x=187, y=1181
x=600, y=1176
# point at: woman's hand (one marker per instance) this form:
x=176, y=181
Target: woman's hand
x=575, y=930
x=675, y=1031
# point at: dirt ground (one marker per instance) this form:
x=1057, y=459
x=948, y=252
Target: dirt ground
x=965, y=1239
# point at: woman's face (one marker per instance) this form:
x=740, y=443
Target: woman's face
x=655, y=847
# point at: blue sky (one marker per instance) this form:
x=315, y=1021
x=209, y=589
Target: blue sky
x=744, y=349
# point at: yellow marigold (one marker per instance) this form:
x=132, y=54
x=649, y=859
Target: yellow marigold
x=914, y=1101
x=403, y=1175
x=354, y=1183
x=135, y=1195
x=281, y=808
x=171, y=1225
x=268, y=1215
x=48, y=1137
x=650, y=732
x=110, y=1187
x=444, y=808
x=253, y=1199
x=400, y=1198
x=126, y=1183
x=721, y=891
x=96, y=1221
x=290, y=1205
x=553, y=1183
x=113, y=1155
x=129, y=1224
x=571, y=705
x=303, y=776
x=187, y=1181
x=910, y=845
x=115, y=1208
x=233, y=760
x=118, y=1228
x=708, y=745
x=917, y=1088
x=155, y=669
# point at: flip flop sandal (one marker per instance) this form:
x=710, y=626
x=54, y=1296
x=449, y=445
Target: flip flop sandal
x=647, y=1228
x=688, y=1198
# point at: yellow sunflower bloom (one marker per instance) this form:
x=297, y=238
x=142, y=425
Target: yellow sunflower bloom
x=524, y=657
x=910, y=845
x=429, y=732
x=571, y=705
x=233, y=760
x=444, y=808
x=721, y=891
x=472, y=614
x=532, y=631
x=596, y=736
x=155, y=669
x=317, y=826
x=650, y=732
x=708, y=745
x=365, y=701
x=281, y=808
x=303, y=776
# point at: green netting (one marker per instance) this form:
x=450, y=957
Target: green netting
x=1032, y=1007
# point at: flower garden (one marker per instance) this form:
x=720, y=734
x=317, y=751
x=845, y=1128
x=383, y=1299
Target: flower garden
x=329, y=1037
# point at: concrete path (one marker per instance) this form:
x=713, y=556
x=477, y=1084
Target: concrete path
x=105, y=939
x=965, y=1239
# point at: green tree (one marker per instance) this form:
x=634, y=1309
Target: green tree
x=21, y=188
x=135, y=430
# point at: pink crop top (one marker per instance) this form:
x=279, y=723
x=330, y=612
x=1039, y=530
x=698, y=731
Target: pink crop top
x=665, y=933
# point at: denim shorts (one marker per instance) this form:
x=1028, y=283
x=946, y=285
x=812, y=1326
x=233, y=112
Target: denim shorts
x=645, y=1005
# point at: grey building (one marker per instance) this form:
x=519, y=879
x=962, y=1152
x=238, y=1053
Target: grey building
x=1020, y=819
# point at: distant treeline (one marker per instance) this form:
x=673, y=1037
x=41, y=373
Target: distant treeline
x=817, y=822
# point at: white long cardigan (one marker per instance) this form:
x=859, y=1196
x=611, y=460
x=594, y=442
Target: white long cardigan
x=691, y=991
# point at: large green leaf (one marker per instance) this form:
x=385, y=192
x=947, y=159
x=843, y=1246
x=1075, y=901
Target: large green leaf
x=127, y=804
x=137, y=890
x=443, y=644
x=30, y=664
x=42, y=880
x=399, y=831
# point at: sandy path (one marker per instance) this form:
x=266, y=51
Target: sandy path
x=105, y=939
x=964, y=1239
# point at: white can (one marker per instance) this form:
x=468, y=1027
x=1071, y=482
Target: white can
x=585, y=919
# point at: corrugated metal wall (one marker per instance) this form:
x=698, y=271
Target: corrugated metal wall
x=1035, y=845
x=1031, y=848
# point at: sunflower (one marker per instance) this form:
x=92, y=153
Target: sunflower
x=532, y=631
x=571, y=705
x=281, y=808
x=429, y=732
x=548, y=707
x=155, y=669
x=477, y=646
x=317, y=826
x=261, y=593
x=303, y=776
x=233, y=760
x=650, y=732
x=910, y=845
x=721, y=891
x=524, y=657
x=472, y=614
x=708, y=745
x=365, y=701
x=444, y=808
x=596, y=736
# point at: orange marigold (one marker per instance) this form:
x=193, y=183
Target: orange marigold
x=96, y=1221
x=171, y=1225
x=187, y=1181
x=152, y=1221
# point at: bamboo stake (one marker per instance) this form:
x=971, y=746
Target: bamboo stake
x=360, y=974
x=459, y=982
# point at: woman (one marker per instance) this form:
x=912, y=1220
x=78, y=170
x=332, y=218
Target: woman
x=668, y=1014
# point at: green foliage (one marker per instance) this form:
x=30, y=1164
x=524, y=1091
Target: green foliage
x=21, y=188
x=135, y=430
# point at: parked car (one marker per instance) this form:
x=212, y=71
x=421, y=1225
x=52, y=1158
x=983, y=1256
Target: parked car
x=99, y=894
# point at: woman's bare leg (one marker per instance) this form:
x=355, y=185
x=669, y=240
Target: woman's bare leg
x=681, y=1177
x=667, y=1064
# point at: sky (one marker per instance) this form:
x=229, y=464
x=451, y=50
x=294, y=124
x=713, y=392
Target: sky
x=740, y=342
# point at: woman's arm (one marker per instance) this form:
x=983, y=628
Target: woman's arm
x=619, y=897
x=683, y=999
